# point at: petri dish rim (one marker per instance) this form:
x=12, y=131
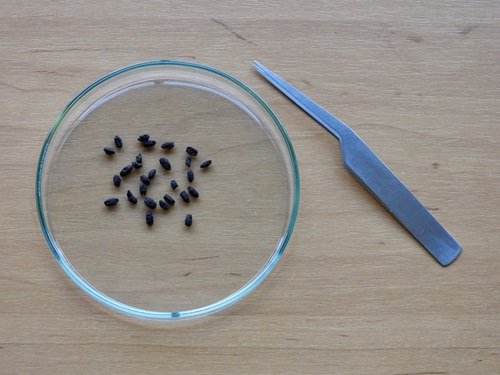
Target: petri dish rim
x=116, y=305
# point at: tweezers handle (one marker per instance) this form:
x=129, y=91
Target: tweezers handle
x=362, y=162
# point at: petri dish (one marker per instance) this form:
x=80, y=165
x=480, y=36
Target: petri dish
x=241, y=221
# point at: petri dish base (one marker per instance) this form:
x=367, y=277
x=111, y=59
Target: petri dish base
x=242, y=219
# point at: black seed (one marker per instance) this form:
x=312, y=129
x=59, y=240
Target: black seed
x=138, y=158
x=188, y=162
x=118, y=142
x=111, y=201
x=117, y=180
x=143, y=189
x=205, y=164
x=150, y=202
x=149, y=143
x=108, y=150
x=136, y=165
x=189, y=220
x=144, y=180
x=143, y=138
x=184, y=196
x=194, y=193
x=167, y=145
x=131, y=198
x=174, y=184
x=126, y=170
x=165, y=164
x=152, y=174
x=190, y=175
x=169, y=199
x=163, y=204
x=192, y=151
x=149, y=218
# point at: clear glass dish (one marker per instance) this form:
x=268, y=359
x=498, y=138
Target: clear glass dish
x=242, y=219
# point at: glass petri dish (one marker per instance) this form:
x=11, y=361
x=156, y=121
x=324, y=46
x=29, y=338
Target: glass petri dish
x=242, y=219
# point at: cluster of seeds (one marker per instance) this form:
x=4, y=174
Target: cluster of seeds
x=146, y=179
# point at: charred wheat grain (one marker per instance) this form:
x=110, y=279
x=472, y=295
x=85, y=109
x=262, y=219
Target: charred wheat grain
x=150, y=202
x=163, y=204
x=165, y=164
x=149, y=143
x=205, y=164
x=194, y=193
x=117, y=180
x=149, y=218
x=143, y=189
x=111, y=202
x=184, y=196
x=118, y=142
x=188, y=220
x=191, y=151
x=152, y=174
x=131, y=198
x=190, y=175
x=126, y=170
x=167, y=145
x=174, y=184
x=143, y=138
x=169, y=199
x=188, y=162
x=108, y=150
x=144, y=180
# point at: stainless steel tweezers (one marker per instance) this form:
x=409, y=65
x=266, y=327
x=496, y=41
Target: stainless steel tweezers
x=362, y=162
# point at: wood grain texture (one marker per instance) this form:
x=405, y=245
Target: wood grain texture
x=353, y=293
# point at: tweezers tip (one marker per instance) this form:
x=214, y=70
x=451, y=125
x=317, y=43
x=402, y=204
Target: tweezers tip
x=257, y=65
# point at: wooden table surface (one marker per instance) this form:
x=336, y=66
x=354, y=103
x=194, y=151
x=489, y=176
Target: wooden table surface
x=354, y=293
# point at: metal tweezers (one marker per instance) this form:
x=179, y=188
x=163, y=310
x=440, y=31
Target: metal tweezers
x=362, y=162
